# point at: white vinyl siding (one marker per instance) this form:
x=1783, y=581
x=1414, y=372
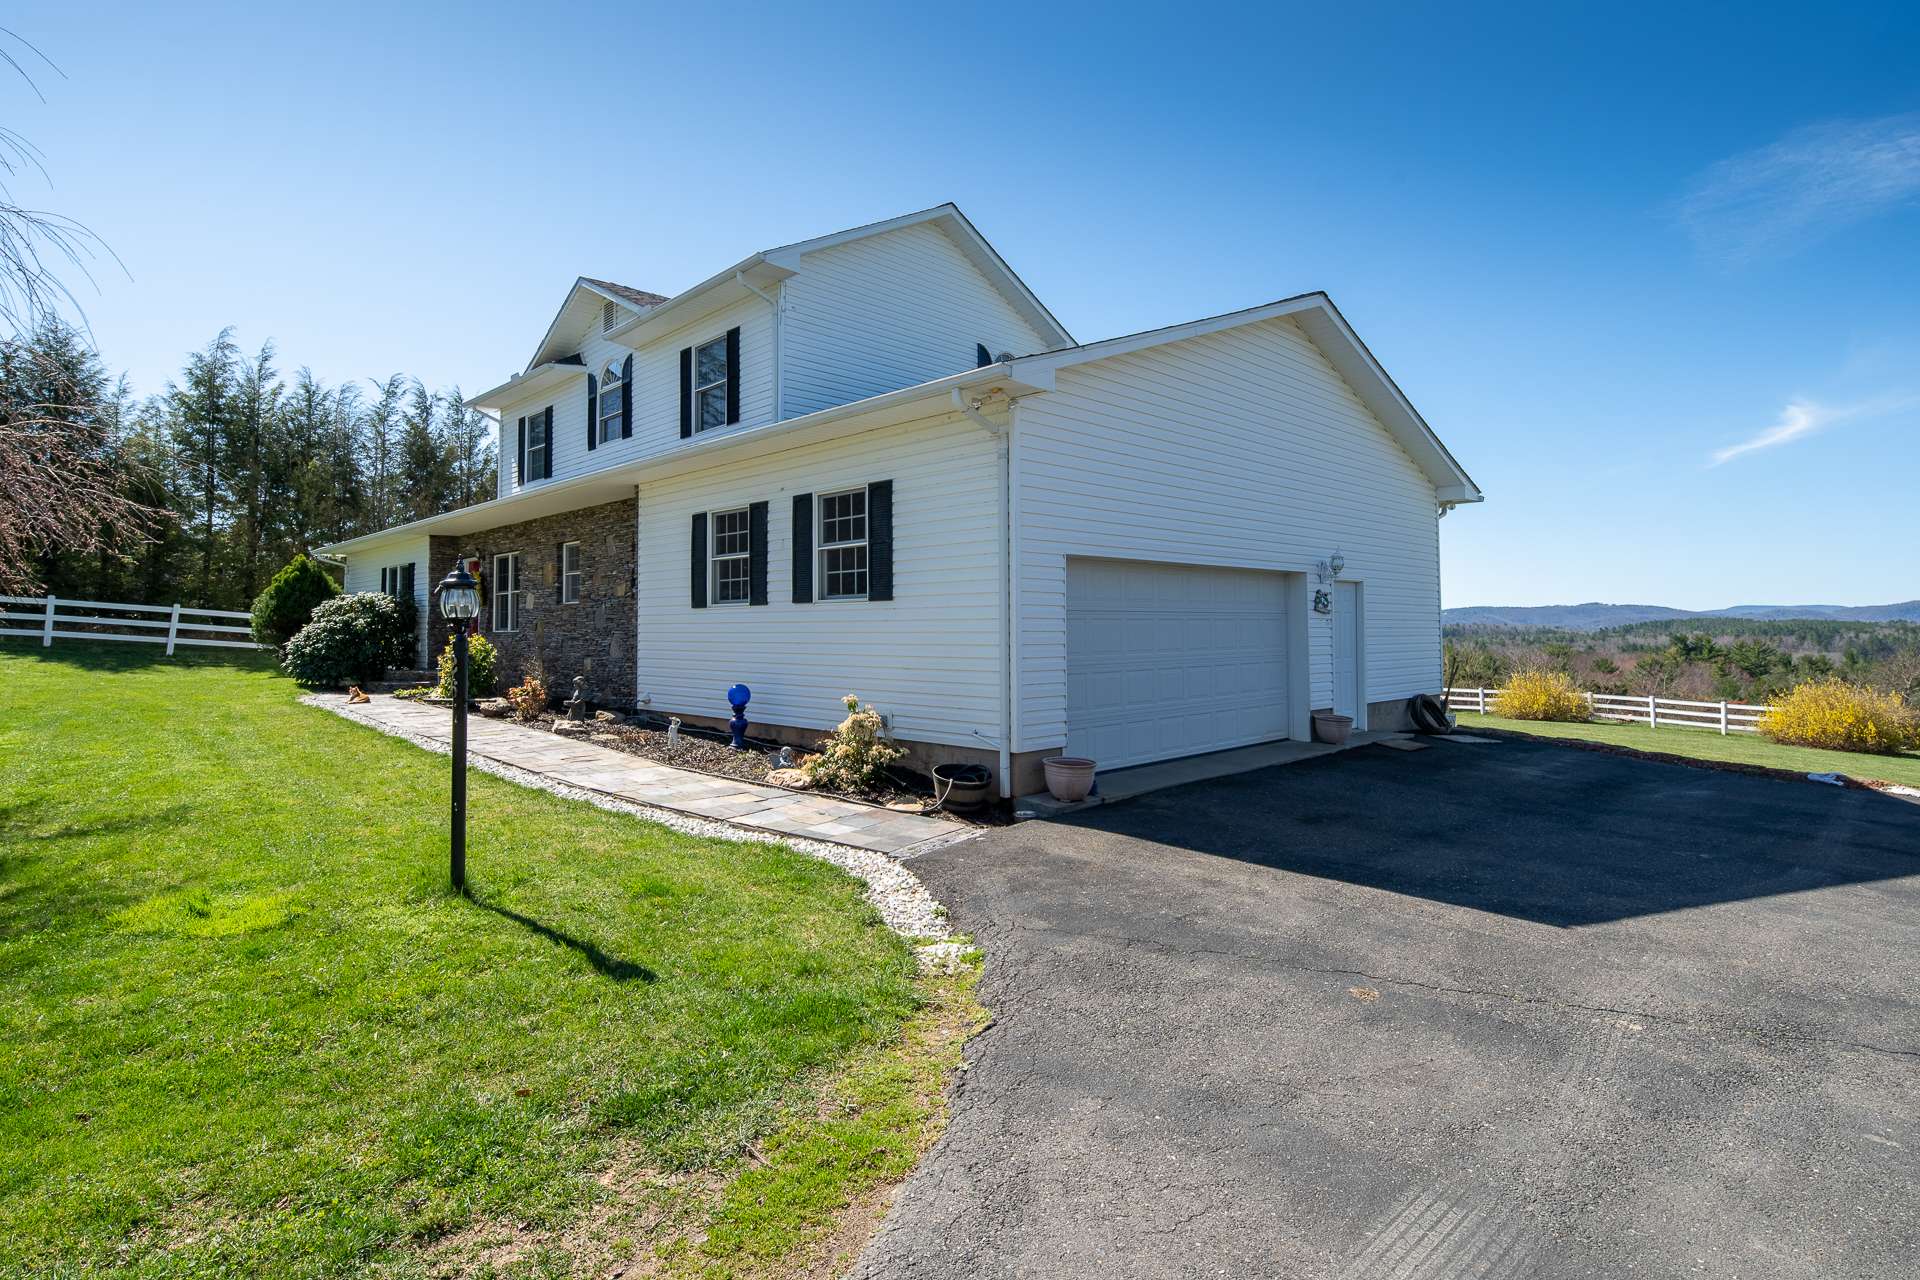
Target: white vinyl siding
x=655, y=389
x=928, y=659
x=888, y=311
x=366, y=572
x=1244, y=449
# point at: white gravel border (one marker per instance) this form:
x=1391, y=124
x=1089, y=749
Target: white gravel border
x=902, y=901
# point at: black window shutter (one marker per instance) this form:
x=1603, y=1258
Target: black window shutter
x=559, y=572
x=406, y=580
x=981, y=356
x=520, y=469
x=880, y=540
x=686, y=392
x=803, y=548
x=757, y=553
x=700, y=560
x=733, y=375
x=626, y=399
x=546, y=454
x=593, y=417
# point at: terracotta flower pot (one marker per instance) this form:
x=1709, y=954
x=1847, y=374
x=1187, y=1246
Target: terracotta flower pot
x=1069, y=778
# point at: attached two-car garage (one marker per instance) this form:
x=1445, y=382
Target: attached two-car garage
x=1168, y=660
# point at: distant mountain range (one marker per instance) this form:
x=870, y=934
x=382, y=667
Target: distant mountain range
x=1594, y=616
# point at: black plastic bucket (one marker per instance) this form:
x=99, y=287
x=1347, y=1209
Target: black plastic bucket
x=961, y=787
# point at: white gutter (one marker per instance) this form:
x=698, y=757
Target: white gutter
x=1003, y=502
x=775, y=301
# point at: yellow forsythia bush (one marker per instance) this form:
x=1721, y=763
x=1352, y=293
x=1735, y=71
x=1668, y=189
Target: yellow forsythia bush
x=1839, y=716
x=1541, y=695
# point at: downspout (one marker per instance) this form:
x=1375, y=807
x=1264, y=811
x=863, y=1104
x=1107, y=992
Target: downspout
x=775, y=300
x=1002, y=453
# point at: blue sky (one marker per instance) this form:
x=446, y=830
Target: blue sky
x=1598, y=250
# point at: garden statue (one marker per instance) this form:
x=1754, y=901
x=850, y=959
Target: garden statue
x=737, y=697
x=577, y=705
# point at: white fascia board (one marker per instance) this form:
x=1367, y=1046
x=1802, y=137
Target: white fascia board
x=551, y=374
x=1329, y=330
x=710, y=295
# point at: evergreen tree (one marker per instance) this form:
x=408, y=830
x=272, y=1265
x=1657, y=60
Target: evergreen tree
x=201, y=407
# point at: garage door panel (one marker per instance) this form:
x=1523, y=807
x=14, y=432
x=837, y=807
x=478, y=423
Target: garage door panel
x=1168, y=660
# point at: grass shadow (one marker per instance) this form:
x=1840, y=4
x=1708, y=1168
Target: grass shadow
x=101, y=656
x=605, y=965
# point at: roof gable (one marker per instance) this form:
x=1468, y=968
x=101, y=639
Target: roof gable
x=580, y=314
x=1328, y=330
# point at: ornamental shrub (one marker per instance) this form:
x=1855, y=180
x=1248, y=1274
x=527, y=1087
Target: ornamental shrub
x=854, y=757
x=1541, y=695
x=288, y=602
x=1839, y=716
x=529, y=697
x=482, y=658
x=351, y=639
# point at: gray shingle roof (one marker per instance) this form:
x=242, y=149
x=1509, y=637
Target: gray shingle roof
x=638, y=297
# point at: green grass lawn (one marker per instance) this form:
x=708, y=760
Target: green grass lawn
x=246, y=1029
x=1707, y=744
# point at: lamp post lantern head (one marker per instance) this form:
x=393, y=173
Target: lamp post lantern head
x=459, y=594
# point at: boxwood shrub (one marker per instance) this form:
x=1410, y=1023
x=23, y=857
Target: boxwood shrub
x=351, y=639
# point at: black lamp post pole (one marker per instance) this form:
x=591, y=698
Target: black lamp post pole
x=460, y=759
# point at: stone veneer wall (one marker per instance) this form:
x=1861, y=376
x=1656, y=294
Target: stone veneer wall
x=593, y=637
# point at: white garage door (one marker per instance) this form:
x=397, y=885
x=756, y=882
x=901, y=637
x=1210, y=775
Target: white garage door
x=1172, y=660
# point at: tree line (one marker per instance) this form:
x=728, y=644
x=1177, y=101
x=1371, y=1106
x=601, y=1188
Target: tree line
x=214, y=483
x=1743, y=661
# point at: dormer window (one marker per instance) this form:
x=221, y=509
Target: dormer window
x=710, y=385
x=613, y=400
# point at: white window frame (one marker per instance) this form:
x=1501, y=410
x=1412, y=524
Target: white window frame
x=823, y=546
x=537, y=430
x=700, y=389
x=572, y=577
x=608, y=426
x=506, y=592
x=715, y=556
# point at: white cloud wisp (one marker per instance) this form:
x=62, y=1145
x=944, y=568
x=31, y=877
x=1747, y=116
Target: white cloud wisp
x=1813, y=181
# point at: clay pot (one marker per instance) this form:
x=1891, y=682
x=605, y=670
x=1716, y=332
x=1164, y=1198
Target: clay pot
x=1069, y=778
x=1331, y=729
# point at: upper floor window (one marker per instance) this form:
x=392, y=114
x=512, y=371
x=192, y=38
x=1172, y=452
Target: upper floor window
x=732, y=557
x=536, y=446
x=613, y=400
x=843, y=545
x=710, y=385
x=570, y=575
x=506, y=592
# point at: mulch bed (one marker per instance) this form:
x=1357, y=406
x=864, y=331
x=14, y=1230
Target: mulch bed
x=714, y=754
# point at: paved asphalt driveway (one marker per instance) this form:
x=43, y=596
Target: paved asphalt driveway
x=1505, y=1010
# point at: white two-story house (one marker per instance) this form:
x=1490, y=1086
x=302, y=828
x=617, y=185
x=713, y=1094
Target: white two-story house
x=875, y=463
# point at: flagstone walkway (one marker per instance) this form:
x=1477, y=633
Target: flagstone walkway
x=569, y=760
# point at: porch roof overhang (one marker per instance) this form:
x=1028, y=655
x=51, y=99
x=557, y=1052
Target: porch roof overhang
x=909, y=404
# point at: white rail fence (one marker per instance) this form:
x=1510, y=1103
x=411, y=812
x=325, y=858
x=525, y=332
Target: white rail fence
x=1727, y=717
x=51, y=618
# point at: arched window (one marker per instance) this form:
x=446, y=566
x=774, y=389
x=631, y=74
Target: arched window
x=613, y=401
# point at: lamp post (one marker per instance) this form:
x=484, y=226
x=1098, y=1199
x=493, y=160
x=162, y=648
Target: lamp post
x=460, y=604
